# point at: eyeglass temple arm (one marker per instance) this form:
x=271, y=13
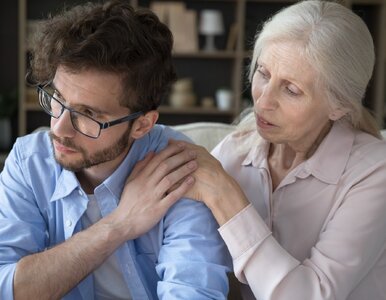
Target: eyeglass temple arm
x=124, y=119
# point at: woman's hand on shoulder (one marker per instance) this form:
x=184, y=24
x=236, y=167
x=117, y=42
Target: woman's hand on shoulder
x=214, y=186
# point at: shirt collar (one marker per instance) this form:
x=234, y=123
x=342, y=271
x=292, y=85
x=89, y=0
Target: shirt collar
x=330, y=159
x=327, y=163
x=65, y=185
x=257, y=156
x=155, y=140
x=116, y=181
x=68, y=182
x=152, y=141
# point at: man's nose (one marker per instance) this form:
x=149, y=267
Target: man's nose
x=62, y=127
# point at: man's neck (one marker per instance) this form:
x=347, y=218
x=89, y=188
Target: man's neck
x=91, y=177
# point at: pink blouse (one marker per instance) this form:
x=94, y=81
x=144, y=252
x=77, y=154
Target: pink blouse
x=322, y=233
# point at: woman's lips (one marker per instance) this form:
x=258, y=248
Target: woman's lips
x=262, y=123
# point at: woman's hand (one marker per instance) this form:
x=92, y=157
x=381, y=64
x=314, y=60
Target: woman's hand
x=214, y=186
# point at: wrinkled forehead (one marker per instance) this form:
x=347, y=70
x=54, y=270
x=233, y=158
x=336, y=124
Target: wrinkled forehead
x=288, y=60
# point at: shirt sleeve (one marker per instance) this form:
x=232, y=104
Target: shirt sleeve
x=22, y=228
x=193, y=260
x=350, y=244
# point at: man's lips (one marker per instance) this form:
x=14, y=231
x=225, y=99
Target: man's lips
x=61, y=148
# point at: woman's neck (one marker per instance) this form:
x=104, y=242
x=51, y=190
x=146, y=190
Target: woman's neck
x=283, y=158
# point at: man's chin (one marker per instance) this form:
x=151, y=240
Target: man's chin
x=70, y=165
x=79, y=165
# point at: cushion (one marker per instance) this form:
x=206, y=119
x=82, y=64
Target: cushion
x=206, y=134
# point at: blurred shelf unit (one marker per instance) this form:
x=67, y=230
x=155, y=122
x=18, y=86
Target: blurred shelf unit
x=3, y=156
x=207, y=70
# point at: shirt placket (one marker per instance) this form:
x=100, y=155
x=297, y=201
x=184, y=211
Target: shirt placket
x=126, y=252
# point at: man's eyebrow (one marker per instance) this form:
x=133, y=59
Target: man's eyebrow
x=96, y=110
x=52, y=84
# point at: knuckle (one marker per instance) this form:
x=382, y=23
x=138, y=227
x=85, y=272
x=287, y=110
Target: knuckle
x=159, y=193
x=163, y=166
x=168, y=181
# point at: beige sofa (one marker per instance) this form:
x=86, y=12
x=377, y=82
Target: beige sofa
x=206, y=134
x=210, y=134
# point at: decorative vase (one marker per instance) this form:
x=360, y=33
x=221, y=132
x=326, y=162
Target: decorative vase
x=182, y=94
x=224, y=99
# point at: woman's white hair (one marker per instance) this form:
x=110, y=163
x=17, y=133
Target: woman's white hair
x=339, y=46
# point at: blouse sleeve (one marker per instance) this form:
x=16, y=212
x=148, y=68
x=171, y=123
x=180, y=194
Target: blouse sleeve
x=349, y=245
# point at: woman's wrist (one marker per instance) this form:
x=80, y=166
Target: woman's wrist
x=228, y=202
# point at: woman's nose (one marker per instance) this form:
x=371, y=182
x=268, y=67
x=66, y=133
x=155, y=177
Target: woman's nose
x=266, y=98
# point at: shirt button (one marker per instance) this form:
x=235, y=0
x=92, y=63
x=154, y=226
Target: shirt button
x=80, y=192
x=68, y=223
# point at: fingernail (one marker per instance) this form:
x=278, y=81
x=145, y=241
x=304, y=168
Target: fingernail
x=180, y=145
x=192, y=153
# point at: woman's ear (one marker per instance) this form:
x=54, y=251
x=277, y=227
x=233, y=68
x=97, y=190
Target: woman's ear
x=337, y=114
x=144, y=124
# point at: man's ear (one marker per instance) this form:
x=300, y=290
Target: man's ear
x=144, y=124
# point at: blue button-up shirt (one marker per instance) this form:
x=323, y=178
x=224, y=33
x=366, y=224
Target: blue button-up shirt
x=41, y=205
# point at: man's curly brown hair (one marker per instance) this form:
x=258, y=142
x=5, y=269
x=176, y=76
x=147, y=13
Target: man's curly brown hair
x=110, y=37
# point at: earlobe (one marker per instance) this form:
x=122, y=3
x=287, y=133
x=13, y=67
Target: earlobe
x=144, y=124
x=337, y=114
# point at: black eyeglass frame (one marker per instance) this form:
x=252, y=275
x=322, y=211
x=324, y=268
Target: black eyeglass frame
x=102, y=125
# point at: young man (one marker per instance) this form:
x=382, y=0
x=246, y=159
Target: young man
x=77, y=220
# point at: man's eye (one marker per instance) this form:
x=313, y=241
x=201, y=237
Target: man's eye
x=88, y=112
x=57, y=96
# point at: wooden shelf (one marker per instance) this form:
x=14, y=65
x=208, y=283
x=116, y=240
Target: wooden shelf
x=3, y=156
x=32, y=106
x=221, y=68
x=163, y=109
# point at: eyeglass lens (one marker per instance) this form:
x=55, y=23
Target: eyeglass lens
x=83, y=124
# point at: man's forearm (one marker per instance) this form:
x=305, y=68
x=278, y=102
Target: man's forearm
x=53, y=273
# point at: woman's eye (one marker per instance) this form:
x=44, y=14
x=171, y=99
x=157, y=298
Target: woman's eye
x=262, y=72
x=292, y=90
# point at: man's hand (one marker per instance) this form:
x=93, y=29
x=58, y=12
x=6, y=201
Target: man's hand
x=145, y=198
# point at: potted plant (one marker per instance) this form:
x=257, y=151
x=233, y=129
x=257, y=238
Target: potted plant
x=8, y=103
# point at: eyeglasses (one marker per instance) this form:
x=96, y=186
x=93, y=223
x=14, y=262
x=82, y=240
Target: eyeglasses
x=81, y=122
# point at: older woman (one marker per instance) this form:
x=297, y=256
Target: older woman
x=305, y=215
x=300, y=193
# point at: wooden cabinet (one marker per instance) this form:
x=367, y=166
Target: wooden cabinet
x=209, y=71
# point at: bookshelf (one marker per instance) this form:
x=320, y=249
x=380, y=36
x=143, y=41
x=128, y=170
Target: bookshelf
x=210, y=70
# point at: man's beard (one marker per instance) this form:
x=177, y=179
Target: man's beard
x=107, y=154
